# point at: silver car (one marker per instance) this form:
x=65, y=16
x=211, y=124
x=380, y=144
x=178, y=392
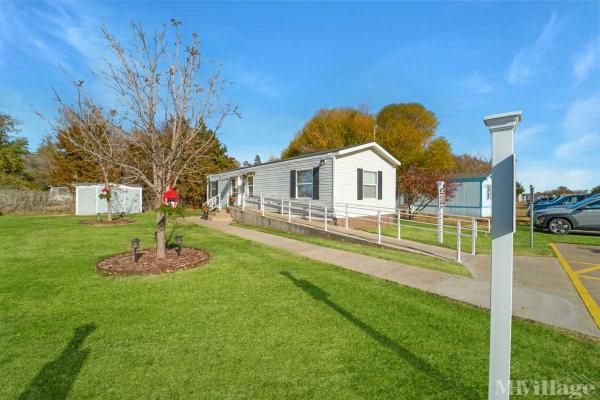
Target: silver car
x=584, y=215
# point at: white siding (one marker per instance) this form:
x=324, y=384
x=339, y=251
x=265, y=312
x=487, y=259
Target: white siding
x=486, y=204
x=85, y=200
x=127, y=199
x=346, y=181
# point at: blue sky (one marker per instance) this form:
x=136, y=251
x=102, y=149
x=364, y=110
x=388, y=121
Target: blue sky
x=462, y=60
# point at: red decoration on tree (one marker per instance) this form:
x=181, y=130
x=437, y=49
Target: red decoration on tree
x=171, y=197
x=104, y=190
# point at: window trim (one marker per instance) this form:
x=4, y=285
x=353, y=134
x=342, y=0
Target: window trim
x=234, y=186
x=213, y=185
x=298, y=184
x=370, y=184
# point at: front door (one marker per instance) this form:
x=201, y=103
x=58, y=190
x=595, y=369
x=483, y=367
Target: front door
x=242, y=189
x=234, y=191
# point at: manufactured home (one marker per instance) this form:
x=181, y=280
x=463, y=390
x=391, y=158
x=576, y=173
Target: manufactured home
x=472, y=198
x=125, y=199
x=361, y=175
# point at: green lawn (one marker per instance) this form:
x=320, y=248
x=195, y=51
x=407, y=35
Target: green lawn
x=541, y=240
x=254, y=323
x=404, y=257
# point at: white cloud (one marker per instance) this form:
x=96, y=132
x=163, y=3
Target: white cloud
x=583, y=117
x=529, y=134
x=477, y=84
x=55, y=33
x=582, y=127
x=587, y=59
x=575, y=147
x=526, y=62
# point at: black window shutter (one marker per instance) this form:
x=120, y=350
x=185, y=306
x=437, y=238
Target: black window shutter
x=293, y=184
x=315, y=183
x=359, y=184
x=379, y=185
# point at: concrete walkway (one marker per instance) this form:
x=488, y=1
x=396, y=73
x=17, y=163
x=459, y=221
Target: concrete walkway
x=539, y=293
x=386, y=241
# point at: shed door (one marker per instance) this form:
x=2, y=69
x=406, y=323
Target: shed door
x=86, y=200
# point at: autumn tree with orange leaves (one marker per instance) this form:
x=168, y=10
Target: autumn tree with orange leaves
x=406, y=130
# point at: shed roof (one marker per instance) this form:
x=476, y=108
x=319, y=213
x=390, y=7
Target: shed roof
x=469, y=176
x=102, y=184
x=334, y=152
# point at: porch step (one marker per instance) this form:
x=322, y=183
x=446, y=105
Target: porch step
x=220, y=215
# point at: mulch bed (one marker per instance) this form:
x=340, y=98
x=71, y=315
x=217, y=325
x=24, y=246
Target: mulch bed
x=123, y=264
x=105, y=222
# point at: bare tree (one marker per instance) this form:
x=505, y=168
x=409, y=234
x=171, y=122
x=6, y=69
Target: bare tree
x=168, y=114
x=85, y=127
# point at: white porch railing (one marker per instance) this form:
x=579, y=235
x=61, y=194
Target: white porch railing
x=341, y=214
x=213, y=202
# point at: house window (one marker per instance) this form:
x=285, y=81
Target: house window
x=213, y=188
x=304, y=183
x=488, y=192
x=369, y=185
x=250, y=184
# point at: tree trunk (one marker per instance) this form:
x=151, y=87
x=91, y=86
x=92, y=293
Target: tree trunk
x=161, y=237
x=108, y=197
x=109, y=206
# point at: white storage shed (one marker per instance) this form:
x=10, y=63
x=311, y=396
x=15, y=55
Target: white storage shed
x=125, y=199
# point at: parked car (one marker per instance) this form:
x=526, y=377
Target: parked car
x=544, y=199
x=559, y=201
x=583, y=215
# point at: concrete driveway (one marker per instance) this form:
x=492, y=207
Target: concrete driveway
x=582, y=265
x=541, y=286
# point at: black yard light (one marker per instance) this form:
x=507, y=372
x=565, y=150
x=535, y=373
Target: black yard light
x=178, y=240
x=135, y=244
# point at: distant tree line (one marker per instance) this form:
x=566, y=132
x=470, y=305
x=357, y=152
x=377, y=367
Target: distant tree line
x=57, y=162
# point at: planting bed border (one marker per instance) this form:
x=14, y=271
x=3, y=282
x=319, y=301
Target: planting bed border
x=123, y=264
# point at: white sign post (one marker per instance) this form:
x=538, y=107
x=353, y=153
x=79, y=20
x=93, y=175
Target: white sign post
x=502, y=128
x=441, y=203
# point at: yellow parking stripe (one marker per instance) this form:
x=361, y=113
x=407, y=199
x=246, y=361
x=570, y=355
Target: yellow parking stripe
x=585, y=295
x=582, y=262
x=590, y=269
x=594, y=278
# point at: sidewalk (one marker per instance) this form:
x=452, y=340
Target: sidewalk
x=538, y=301
x=386, y=241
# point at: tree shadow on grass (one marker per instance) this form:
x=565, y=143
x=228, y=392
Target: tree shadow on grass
x=56, y=378
x=437, y=378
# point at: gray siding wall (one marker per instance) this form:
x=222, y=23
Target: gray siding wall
x=467, y=201
x=273, y=180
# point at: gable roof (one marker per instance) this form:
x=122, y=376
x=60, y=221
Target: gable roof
x=345, y=150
